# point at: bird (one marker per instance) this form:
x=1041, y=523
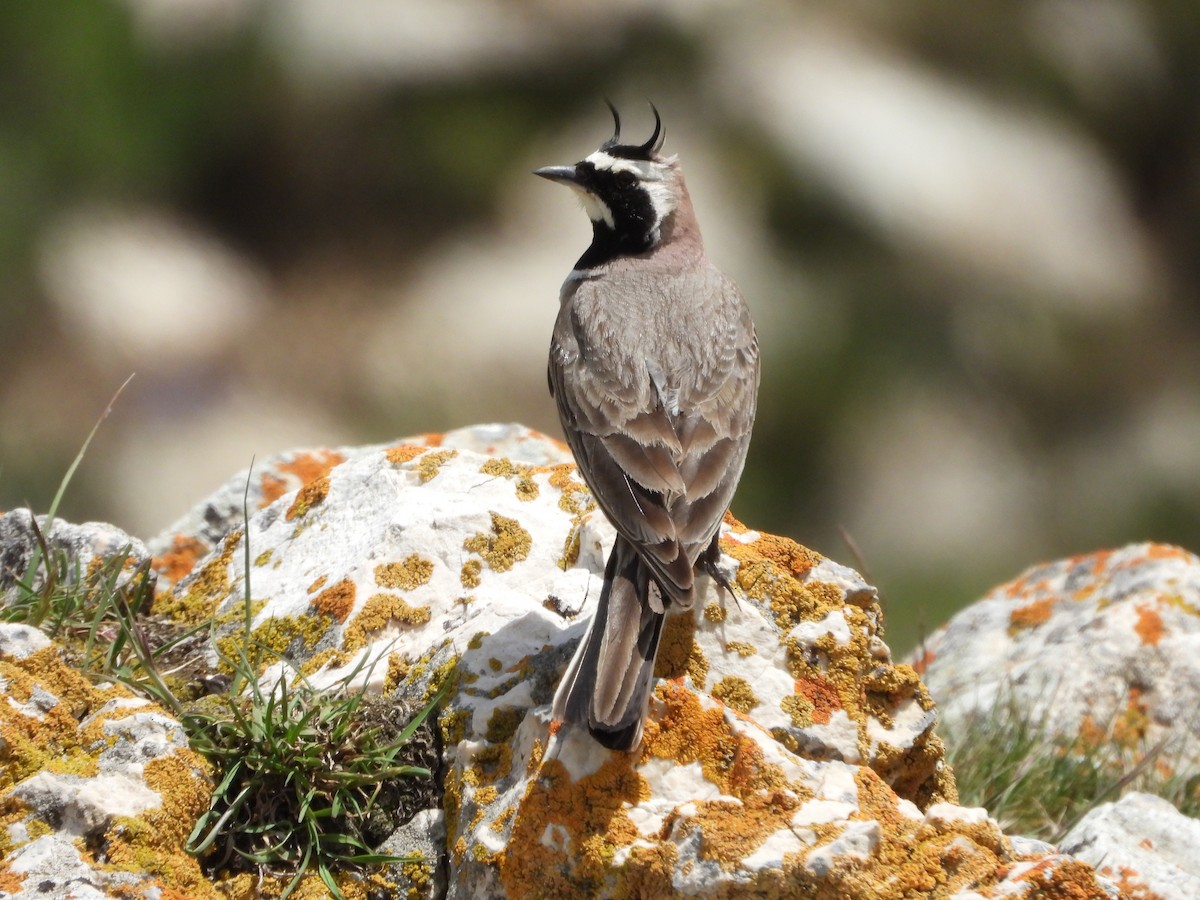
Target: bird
x=654, y=370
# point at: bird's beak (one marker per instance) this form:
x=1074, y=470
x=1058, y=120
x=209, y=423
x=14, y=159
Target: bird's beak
x=561, y=174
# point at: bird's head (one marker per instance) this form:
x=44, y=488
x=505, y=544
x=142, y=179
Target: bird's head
x=629, y=191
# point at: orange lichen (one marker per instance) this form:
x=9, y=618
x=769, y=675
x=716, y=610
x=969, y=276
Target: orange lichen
x=822, y=695
x=153, y=843
x=379, y=612
x=1130, y=726
x=179, y=561
x=921, y=666
x=786, y=554
x=312, y=494
x=1149, y=625
x=1168, y=551
x=408, y=575
x=403, y=453
x=678, y=652
x=304, y=469
x=316, y=585
x=205, y=591
x=568, y=831
x=1031, y=615
x=507, y=545
x=272, y=488
x=308, y=467
x=336, y=601
x=731, y=831
x=686, y=733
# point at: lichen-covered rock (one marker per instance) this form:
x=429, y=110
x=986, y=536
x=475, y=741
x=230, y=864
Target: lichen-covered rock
x=1144, y=844
x=199, y=531
x=98, y=789
x=1102, y=648
x=785, y=754
x=80, y=548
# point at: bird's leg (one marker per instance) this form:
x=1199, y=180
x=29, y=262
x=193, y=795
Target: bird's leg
x=709, y=562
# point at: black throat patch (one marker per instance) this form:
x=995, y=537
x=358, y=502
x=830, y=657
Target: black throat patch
x=635, y=222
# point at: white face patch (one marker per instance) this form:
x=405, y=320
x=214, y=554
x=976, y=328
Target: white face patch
x=597, y=210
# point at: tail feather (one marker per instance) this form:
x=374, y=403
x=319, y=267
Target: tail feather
x=607, y=686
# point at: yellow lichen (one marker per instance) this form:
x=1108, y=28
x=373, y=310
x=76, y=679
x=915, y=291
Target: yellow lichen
x=379, y=612
x=735, y=693
x=408, y=575
x=799, y=710
x=210, y=587
x=741, y=648
x=470, y=573
x=503, y=723
x=502, y=467
x=397, y=670
x=507, y=545
x=431, y=463
x=277, y=637
x=715, y=612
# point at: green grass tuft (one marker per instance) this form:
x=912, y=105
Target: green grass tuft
x=307, y=780
x=1040, y=785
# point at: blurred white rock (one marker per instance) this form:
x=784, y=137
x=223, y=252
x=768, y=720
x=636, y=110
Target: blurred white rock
x=143, y=288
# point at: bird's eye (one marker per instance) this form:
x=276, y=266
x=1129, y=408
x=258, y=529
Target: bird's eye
x=626, y=180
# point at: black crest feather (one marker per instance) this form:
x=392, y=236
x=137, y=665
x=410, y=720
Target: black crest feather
x=634, y=151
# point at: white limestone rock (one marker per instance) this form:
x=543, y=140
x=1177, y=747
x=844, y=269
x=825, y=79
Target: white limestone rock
x=784, y=749
x=1102, y=648
x=1143, y=843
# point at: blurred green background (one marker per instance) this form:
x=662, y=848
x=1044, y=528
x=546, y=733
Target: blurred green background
x=968, y=233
